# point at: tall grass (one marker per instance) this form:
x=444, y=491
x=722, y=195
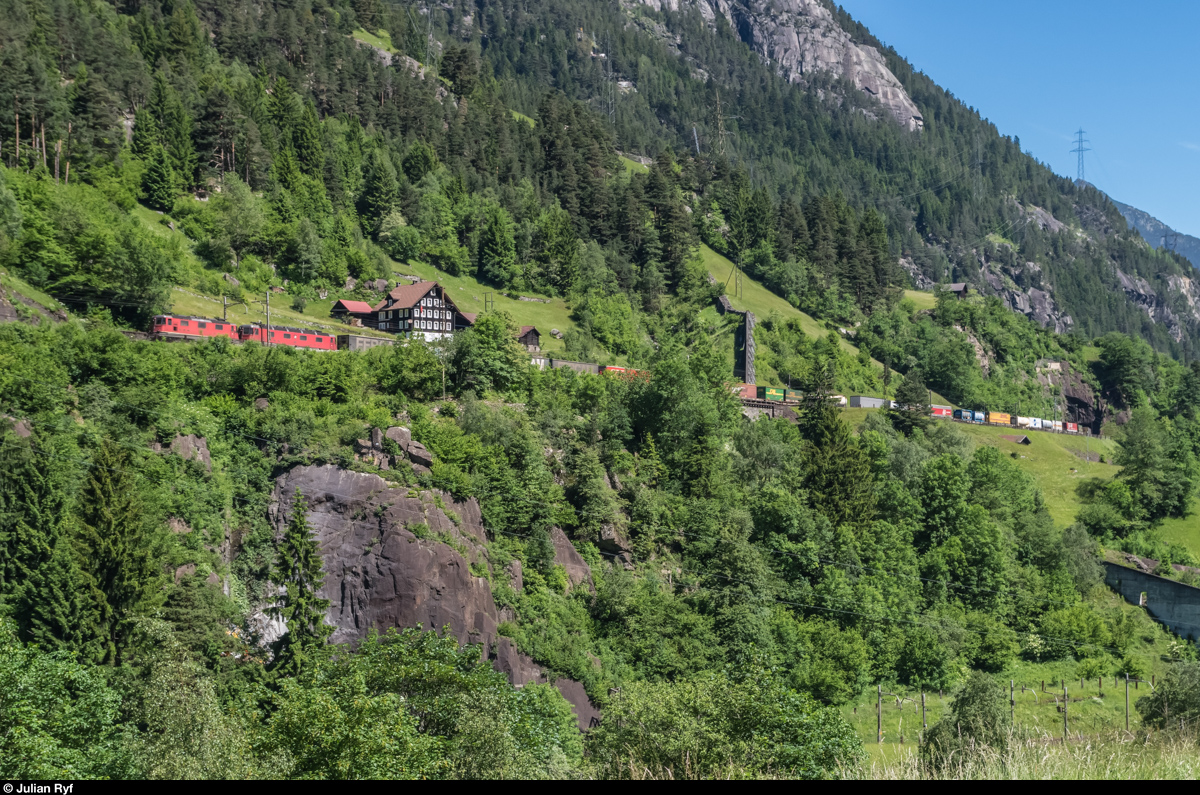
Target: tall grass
x=1106, y=756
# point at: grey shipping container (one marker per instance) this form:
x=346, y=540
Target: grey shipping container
x=862, y=402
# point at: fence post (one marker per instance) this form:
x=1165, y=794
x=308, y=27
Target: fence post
x=1012, y=702
x=1127, y=703
x=879, y=715
x=1065, y=703
x=924, y=724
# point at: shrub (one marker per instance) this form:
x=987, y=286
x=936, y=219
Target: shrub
x=979, y=716
x=299, y=303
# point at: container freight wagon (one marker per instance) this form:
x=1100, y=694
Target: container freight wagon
x=792, y=396
x=864, y=402
x=1022, y=422
x=1055, y=425
x=1036, y=423
x=966, y=415
x=357, y=342
x=998, y=418
x=775, y=394
x=941, y=411
x=1072, y=427
x=743, y=391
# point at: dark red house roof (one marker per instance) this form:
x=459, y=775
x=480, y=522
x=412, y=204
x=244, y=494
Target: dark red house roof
x=354, y=307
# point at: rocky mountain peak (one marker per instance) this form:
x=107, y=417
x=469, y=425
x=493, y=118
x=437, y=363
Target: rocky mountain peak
x=800, y=37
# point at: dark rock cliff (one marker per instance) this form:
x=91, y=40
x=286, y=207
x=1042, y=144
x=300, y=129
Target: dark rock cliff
x=399, y=557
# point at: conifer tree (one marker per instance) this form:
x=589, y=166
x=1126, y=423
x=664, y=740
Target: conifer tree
x=56, y=611
x=299, y=573
x=31, y=513
x=116, y=551
x=146, y=133
x=912, y=401
x=497, y=252
x=379, y=191
x=158, y=182
x=307, y=137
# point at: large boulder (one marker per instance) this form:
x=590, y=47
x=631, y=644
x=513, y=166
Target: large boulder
x=401, y=436
x=418, y=454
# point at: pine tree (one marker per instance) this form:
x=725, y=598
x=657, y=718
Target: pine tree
x=115, y=551
x=158, y=181
x=56, y=611
x=146, y=133
x=31, y=512
x=309, y=149
x=176, y=126
x=912, y=400
x=379, y=191
x=299, y=573
x=497, y=252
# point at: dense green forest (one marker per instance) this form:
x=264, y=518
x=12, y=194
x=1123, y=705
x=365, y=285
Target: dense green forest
x=764, y=573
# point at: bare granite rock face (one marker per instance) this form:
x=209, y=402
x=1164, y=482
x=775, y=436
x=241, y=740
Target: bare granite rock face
x=379, y=574
x=522, y=671
x=568, y=557
x=191, y=447
x=800, y=37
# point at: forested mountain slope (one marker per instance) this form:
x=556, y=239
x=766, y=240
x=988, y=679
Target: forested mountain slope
x=184, y=527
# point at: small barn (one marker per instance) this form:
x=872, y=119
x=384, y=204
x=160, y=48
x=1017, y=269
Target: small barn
x=1015, y=438
x=355, y=310
x=531, y=338
x=960, y=289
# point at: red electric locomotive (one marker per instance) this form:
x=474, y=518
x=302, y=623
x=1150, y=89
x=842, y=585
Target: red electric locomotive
x=186, y=327
x=286, y=335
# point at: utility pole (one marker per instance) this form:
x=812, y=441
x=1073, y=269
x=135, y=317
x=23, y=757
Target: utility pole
x=225, y=307
x=268, y=316
x=1079, y=149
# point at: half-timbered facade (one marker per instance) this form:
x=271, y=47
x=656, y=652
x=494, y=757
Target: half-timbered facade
x=421, y=310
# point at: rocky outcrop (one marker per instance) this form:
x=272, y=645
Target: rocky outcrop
x=190, y=447
x=1080, y=403
x=801, y=37
x=1159, y=307
x=568, y=557
x=394, y=557
x=521, y=671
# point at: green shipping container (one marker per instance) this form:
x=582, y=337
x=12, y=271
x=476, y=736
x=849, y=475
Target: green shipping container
x=771, y=393
x=793, y=396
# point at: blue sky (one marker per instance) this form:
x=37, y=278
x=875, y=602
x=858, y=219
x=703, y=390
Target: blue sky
x=1127, y=73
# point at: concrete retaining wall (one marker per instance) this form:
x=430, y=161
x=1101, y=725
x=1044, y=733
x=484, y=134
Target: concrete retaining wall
x=1171, y=603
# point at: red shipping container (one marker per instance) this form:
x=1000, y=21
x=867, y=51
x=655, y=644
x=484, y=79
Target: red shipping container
x=1072, y=427
x=942, y=411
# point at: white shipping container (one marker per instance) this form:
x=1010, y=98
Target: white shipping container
x=1035, y=423
x=1058, y=425
x=1024, y=422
